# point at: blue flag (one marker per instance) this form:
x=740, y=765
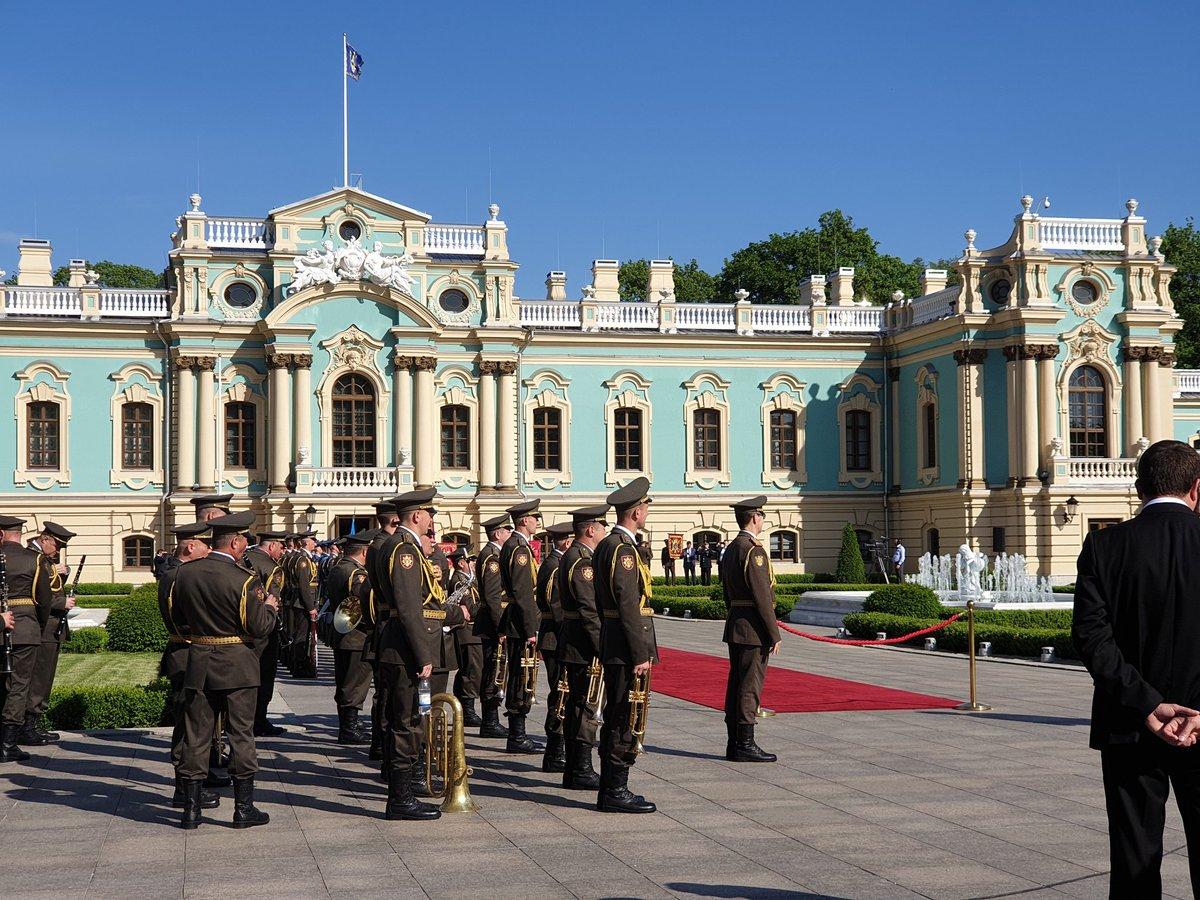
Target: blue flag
x=354, y=63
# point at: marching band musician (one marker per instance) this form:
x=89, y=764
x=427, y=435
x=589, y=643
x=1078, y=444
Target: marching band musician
x=468, y=644
x=628, y=644
x=29, y=599
x=488, y=626
x=373, y=616
x=518, y=570
x=50, y=543
x=546, y=595
x=302, y=591
x=351, y=670
x=579, y=643
x=750, y=629
x=263, y=560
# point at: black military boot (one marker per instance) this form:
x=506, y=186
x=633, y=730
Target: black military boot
x=217, y=778
x=28, y=735
x=191, y=803
x=417, y=775
x=266, y=729
x=579, y=774
x=555, y=757
x=348, y=732
x=491, y=727
x=470, y=717
x=36, y=720
x=245, y=813
x=401, y=804
x=616, y=797
x=9, y=751
x=747, y=750
x=208, y=799
x=518, y=741
x=731, y=742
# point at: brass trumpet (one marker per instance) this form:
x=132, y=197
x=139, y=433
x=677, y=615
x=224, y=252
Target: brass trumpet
x=639, y=709
x=501, y=678
x=594, y=703
x=564, y=688
x=529, y=671
x=446, y=754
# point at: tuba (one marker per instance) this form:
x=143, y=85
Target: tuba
x=529, y=671
x=639, y=709
x=446, y=755
x=594, y=703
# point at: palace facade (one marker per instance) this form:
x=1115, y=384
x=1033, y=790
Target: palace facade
x=345, y=348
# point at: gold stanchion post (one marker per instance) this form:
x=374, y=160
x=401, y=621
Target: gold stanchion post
x=973, y=705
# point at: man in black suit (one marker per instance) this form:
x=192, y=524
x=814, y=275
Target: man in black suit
x=1137, y=629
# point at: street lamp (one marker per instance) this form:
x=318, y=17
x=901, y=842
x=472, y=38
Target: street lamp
x=310, y=515
x=1072, y=509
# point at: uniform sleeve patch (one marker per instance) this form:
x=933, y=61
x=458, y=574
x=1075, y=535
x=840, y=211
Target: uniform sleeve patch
x=258, y=593
x=522, y=559
x=627, y=563
x=586, y=573
x=406, y=561
x=493, y=566
x=759, y=559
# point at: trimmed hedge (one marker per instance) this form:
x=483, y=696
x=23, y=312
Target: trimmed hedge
x=685, y=590
x=102, y=601
x=1007, y=639
x=145, y=592
x=136, y=626
x=98, y=588
x=833, y=586
x=110, y=706
x=701, y=607
x=86, y=640
x=850, y=566
x=1063, y=589
x=904, y=600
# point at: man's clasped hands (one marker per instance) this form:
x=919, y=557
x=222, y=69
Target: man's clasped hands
x=1177, y=725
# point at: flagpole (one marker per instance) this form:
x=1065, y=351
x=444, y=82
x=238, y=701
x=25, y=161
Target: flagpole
x=345, y=119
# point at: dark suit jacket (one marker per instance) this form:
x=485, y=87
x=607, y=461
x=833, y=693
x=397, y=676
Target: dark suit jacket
x=1137, y=619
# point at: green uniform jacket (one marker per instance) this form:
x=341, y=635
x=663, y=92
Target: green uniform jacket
x=546, y=595
x=398, y=577
x=493, y=599
x=579, y=636
x=29, y=578
x=174, y=659
x=349, y=579
x=517, y=569
x=746, y=580
x=58, y=606
x=627, y=633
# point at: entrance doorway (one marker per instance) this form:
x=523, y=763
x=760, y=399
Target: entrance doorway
x=345, y=525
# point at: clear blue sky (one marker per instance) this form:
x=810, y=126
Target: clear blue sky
x=617, y=129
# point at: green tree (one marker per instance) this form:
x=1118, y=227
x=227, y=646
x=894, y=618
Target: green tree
x=850, y=568
x=118, y=275
x=632, y=278
x=692, y=283
x=1181, y=245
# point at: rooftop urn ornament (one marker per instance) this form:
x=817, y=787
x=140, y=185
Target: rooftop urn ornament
x=91, y=277
x=494, y=211
x=1156, y=243
x=194, y=200
x=1131, y=204
x=897, y=296
x=741, y=295
x=589, y=292
x=969, y=234
x=1143, y=444
x=1026, y=202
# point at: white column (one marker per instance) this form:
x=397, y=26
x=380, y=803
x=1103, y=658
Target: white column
x=1047, y=404
x=508, y=424
x=402, y=410
x=425, y=428
x=487, y=425
x=1152, y=399
x=280, y=401
x=1029, y=416
x=185, y=473
x=302, y=406
x=1135, y=427
x=206, y=442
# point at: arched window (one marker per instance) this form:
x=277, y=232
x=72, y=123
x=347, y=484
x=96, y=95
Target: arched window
x=1087, y=413
x=547, y=438
x=929, y=423
x=933, y=540
x=137, y=436
x=42, y=437
x=858, y=440
x=240, y=437
x=705, y=538
x=706, y=439
x=784, y=546
x=456, y=437
x=353, y=422
x=137, y=552
x=783, y=440
x=627, y=439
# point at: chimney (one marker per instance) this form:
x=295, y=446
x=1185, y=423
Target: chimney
x=660, y=285
x=556, y=286
x=605, y=281
x=33, y=266
x=932, y=281
x=812, y=291
x=78, y=273
x=843, y=286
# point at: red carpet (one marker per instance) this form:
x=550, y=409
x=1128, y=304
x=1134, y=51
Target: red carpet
x=700, y=678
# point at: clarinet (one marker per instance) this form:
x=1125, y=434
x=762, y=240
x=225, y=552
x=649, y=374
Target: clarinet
x=62, y=623
x=7, y=666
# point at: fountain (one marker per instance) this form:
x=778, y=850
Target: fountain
x=968, y=575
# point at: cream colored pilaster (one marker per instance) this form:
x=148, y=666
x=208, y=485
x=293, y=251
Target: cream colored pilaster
x=1152, y=395
x=1047, y=405
x=1135, y=426
x=897, y=471
x=970, y=416
x=1166, y=395
x=206, y=443
x=487, y=425
x=280, y=401
x=426, y=429
x=508, y=424
x=185, y=473
x=402, y=414
x=1029, y=416
x=301, y=407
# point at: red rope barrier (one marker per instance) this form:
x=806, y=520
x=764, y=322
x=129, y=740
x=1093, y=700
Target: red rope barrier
x=855, y=643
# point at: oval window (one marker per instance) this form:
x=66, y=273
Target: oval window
x=453, y=301
x=349, y=230
x=1000, y=291
x=240, y=295
x=1084, y=292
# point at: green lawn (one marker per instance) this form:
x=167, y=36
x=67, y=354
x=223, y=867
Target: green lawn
x=106, y=668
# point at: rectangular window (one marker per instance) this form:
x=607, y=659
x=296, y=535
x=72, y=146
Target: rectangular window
x=999, y=540
x=42, y=439
x=240, y=428
x=783, y=440
x=1100, y=524
x=137, y=552
x=783, y=546
x=456, y=437
x=547, y=439
x=858, y=441
x=627, y=440
x=706, y=439
x=930, y=414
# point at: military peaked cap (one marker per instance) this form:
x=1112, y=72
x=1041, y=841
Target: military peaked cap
x=637, y=491
x=750, y=504
x=356, y=541
x=190, y=530
x=560, y=530
x=385, y=506
x=422, y=499
x=459, y=553
x=232, y=524
x=301, y=535
x=57, y=532
x=497, y=522
x=586, y=514
x=521, y=510
x=264, y=536
x=211, y=501
x=369, y=534
x=11, y=523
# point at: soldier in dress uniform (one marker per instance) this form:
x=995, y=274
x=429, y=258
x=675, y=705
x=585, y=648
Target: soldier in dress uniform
x=579, y=643
x=518, y=571
x=407, y=584
x=50, y=543
x=750, y=629
x=303, y=592
x=221, y=609
x=211, y=506
x=546, y=594
x=467, y=644
x=263, y=560
x=489, y=624
x=351, y=670
x=30, y=598
x=386, y=523
x=628, y=644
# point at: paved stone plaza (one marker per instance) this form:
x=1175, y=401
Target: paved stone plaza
x=895, y=804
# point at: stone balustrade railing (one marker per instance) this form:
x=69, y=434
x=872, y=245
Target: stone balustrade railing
x=1094, y=471
x=463, y=240
x=855, y=319
x=1080, y=234
x=238, y=234
x=780, y=318
x=1187, y=381
x=85, y=303
x=671, y=317
x=137, y=304
x=550, y=314
x=706, y=317
x=51, y=301
x=334, y=480
x=931, y=309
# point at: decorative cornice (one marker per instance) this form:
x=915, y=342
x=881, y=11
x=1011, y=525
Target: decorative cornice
x=425, y=363
x=972, y=356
